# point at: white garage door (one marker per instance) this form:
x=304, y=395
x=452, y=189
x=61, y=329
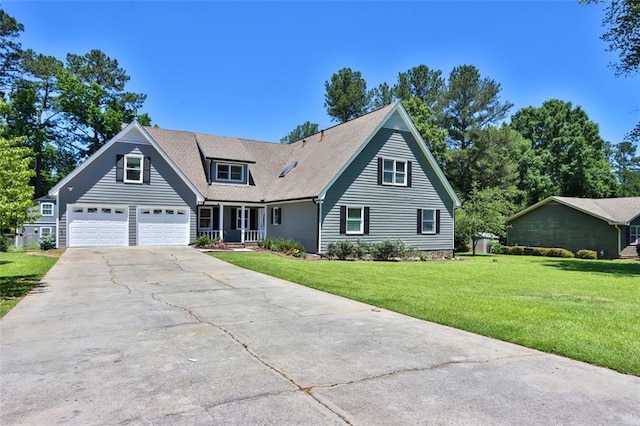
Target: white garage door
x=98, y=226
x=163, y=226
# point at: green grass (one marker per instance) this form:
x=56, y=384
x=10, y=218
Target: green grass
x=588, y=310
x=19, y=273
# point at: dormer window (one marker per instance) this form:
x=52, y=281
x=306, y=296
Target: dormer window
x=133, y=168
x=233, y=173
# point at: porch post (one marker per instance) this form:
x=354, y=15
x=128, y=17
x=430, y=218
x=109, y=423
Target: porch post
x=221, y=222
x=242, y=229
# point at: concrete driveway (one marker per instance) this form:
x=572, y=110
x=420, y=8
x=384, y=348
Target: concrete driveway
x=171, y=336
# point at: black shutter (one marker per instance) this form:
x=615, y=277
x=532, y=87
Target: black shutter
x=628, y=235
x=437, y=221
x=280, y=216
x=253, y=218
x=343, y=219
x=146, y=174
x=119, y=168
x=409, y=173
x=380, y=170
x=234, y=221
x=419, y=221
x=272, y=221
x=366, y=221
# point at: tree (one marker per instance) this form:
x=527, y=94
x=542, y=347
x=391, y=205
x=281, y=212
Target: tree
x=10, y=49
x=33, y=114
x=568, y=156
x=93, y=99
x=470, y=104
x=422, y=83
x=346, y=95
x=16, y=194
x=381, y=96
x=301, y=131
x=626, y=167
x=427, y=125
x=485, y=211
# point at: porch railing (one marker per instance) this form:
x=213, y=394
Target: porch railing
x=214, y=235
x=252, y=236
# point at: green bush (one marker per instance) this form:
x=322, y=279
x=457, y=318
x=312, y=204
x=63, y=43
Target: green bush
x=361, y=249
x=513, y=250
x=340, y=250
x=286, y=246
x=387, y=250
x=495, y=247
x=540, y=251
x=587, y=254
x=48, y=242
x=4, y=243
x=559, y=252
x=203, y=241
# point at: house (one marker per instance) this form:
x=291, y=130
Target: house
x=47, y=210
x=610, y=226
x=371, y=178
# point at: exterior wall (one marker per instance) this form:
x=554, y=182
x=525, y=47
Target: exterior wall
x=393, y=210
x=299, y=222
x=556, y=225
x=97, y=184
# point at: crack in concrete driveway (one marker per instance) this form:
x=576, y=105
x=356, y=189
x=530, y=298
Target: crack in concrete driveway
x=167, y=335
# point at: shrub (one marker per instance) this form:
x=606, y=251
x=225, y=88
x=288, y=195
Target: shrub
x=515, y=250
x=340, y=250
x=638, y=248
x=286, y=246
x=361, y=249
x=495, y=247
x=540, y=251
x=423, y=256
x=203, y=240
x=48, y=242
x=587, y=254
x=4, y=243
x=559, y=252
x=387, y=250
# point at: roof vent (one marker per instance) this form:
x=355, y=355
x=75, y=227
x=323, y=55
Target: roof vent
x=321, y=135
x=288, y=168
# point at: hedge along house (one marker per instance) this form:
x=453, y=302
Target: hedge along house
x=371, y=178
x=610, y=226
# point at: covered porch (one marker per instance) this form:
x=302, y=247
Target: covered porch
x=235, y=223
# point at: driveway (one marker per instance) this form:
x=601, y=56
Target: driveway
x=172, y=336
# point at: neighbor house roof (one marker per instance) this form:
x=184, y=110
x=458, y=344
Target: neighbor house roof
x=615, y=211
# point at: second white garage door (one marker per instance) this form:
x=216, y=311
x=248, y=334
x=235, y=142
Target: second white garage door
x=163, y=226
x=98, y=225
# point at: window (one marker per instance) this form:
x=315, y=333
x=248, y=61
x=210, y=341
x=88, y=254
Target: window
x=355, y=220
x=238, y=218
x=44, y=231
x=635, y=234
x=230, y=172
x=106, y=210
x=276, y=216
x=205, y=218
x=428, y=221
x=46, y=209
x=288, y=168
x=394, y=172
x=133, y=168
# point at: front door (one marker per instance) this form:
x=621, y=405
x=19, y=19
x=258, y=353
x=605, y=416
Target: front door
x=635, y=234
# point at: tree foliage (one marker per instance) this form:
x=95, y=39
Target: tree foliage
x=423, y=83
x=568, y=155
x=346, y=95
x=427, y=125
x=16, y=195
x=10, y=49
x=301, y=131
x=626, y=167
x=382, y=96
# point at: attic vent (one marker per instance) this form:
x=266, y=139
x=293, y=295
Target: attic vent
x=288, y=168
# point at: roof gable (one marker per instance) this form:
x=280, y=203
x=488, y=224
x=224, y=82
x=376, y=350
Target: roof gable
x=132, y=133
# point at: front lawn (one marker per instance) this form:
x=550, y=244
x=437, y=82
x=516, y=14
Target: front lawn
x=588, y=310
x=19, y=273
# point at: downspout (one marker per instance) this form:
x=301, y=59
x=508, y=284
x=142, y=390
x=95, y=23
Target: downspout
x=319, y=202
x=619, y=240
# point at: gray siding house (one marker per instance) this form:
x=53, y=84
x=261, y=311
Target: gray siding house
x=610, y=226
x=371, y=178
x=46, y=224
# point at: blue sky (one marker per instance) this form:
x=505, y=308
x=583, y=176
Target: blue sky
x=257, y=69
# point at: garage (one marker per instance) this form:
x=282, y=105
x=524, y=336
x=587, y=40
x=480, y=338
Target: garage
x=98, y=226
x=163, y=226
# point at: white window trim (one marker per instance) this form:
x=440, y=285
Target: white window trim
x=346, y=221
x=242, y=178
x=42, y=209
x=45, y=227
x=210, y=209
x=238, y=218
x=433, y=220
x=395, y=171
x=126, y=168
x=273, y=216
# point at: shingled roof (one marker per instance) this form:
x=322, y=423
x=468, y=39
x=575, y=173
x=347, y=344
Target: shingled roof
x=319, y=158
x=615, y=211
